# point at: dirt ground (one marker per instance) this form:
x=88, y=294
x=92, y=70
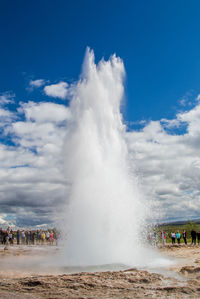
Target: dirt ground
x=21, y=279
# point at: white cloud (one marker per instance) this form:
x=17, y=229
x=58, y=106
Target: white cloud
x=6, y=117
x=44, y=112
x=168, y=163
x=5, y=113
x=36, y=83
x=32, y=182
x=59, y=90
x=33, y=185
x=6, y=98
x=186, y=99
x=171, y=123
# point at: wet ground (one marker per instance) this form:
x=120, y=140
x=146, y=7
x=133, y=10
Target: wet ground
x=26, y=273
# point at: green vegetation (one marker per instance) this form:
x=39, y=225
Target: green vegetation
x=168, y=228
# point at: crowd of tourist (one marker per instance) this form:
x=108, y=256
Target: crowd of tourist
x=27, y=237
x=176, y=237
x=40, y=237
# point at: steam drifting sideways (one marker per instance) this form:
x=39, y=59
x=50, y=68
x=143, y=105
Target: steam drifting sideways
x=106, y=212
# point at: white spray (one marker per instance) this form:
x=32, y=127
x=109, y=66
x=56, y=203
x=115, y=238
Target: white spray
x=105, y=211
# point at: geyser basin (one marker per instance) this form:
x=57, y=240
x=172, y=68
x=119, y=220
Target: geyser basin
x=105, y=213
x=32, y=260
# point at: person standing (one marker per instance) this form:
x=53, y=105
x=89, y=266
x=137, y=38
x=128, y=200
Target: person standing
x=51, y=238
x=27, y=238
x=185, y=237
x=5, y=236
x=178, y=237
x=23, y=237
x=6, y=240
x=47, y=236
x=173, y=237
x=1, y=236
x=33, y=237
x=10, y=237
x=194, y=237
x=198, y=237
x=38, y=236
x=18, y=237
x=43, y=237
x=30, y=237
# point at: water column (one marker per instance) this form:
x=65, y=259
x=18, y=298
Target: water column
x=105, y=212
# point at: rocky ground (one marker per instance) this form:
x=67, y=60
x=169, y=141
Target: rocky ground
x=131, y=283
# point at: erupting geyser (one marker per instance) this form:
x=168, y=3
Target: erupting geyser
x=105, y=212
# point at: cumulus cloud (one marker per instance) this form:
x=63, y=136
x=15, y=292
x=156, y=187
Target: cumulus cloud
x=44, y=112
x=165, y=155
x=32, y=178
x=5, y=113
x=168, y=163
x=59, y=90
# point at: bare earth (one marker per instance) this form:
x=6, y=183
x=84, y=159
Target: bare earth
x=23, y=275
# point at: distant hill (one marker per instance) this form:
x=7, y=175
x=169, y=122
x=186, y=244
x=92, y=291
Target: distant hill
x=179, y=222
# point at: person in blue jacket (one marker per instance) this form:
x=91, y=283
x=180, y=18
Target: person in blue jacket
x=178, y=237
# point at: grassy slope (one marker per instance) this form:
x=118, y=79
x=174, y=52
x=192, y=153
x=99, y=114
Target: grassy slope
x=168, y=228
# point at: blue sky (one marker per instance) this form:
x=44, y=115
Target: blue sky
x=43, y=44
x=159, y=42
